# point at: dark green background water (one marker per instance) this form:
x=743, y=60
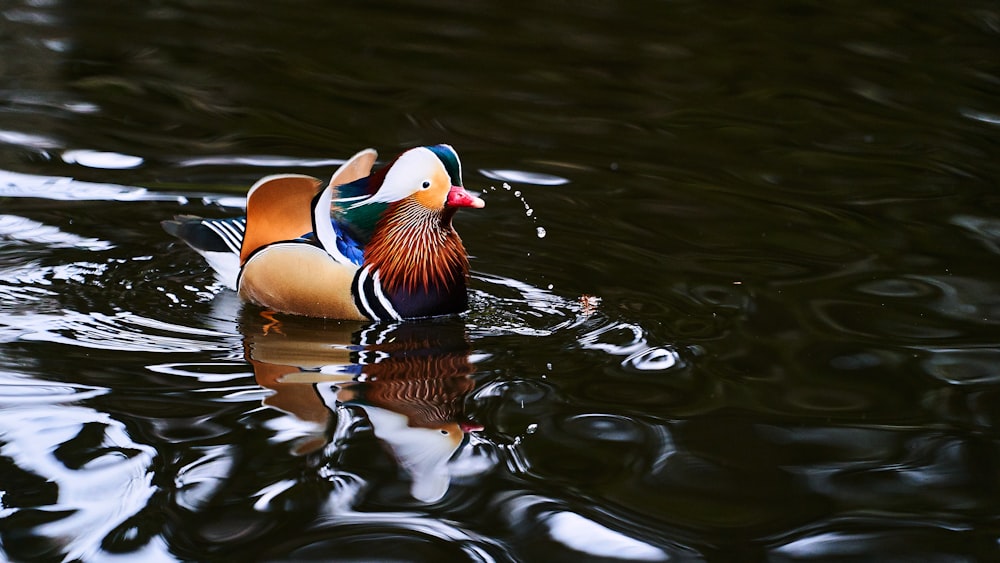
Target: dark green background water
x=762, y=325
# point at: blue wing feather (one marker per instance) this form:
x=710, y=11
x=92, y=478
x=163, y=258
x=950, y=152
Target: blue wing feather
x=347, y=245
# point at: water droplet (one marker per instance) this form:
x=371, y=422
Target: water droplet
x=531, y=429
x=528, y=210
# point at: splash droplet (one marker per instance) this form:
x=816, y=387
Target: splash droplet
x=528, y=210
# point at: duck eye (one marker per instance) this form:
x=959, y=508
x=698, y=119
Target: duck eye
x=425, y=185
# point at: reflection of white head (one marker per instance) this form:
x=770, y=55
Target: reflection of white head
x=422, y=452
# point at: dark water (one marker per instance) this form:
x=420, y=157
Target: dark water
x=763, y=322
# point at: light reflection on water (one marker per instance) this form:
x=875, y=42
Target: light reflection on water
x=453, y=413
x=328, y=389
x=742, y=306
x=70, y=461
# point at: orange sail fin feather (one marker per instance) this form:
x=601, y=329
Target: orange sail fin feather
x=301, y=251
x=278, y=208
x=357, y=167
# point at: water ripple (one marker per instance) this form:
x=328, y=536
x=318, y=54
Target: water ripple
x=514, y=307
x=19, y=390
x=197, y=482
x=522, y=177
x=888, y=538
x=985, y=229
x=630, y=340
x=90, y=458
x=653, y=359
x=262, y=161
x=63, y=188
x=577, y=535
x=122, y=331
x=13, y=184
x=786, y=185
x=510, y=306
x=971, y=366
x=102, y=159
x=26, y=230
x=205, y=372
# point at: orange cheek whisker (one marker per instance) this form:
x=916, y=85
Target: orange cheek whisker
x=412, y=249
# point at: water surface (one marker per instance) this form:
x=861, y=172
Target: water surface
x=739, y=302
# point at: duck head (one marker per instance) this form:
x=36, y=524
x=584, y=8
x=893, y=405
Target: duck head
x=418, y=256
x=430, y=176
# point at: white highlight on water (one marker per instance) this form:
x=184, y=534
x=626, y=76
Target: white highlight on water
x=102, y=159
x=22, y=229
x=521, y=177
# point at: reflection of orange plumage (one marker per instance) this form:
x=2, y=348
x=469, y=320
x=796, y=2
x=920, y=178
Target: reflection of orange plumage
x=277, y=349
x=421, y=372
x=411, y=380
x=299, y=400
x=428, y=389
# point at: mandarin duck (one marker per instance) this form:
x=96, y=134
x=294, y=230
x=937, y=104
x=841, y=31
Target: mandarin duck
x=369, y=246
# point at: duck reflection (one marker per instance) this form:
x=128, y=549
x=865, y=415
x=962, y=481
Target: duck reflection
x=411, y=381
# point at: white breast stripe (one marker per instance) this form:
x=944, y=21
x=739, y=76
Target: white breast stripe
x=383, y=299
x=362, y=278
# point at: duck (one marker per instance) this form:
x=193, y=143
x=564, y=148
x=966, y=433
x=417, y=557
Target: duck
x=371, y=245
